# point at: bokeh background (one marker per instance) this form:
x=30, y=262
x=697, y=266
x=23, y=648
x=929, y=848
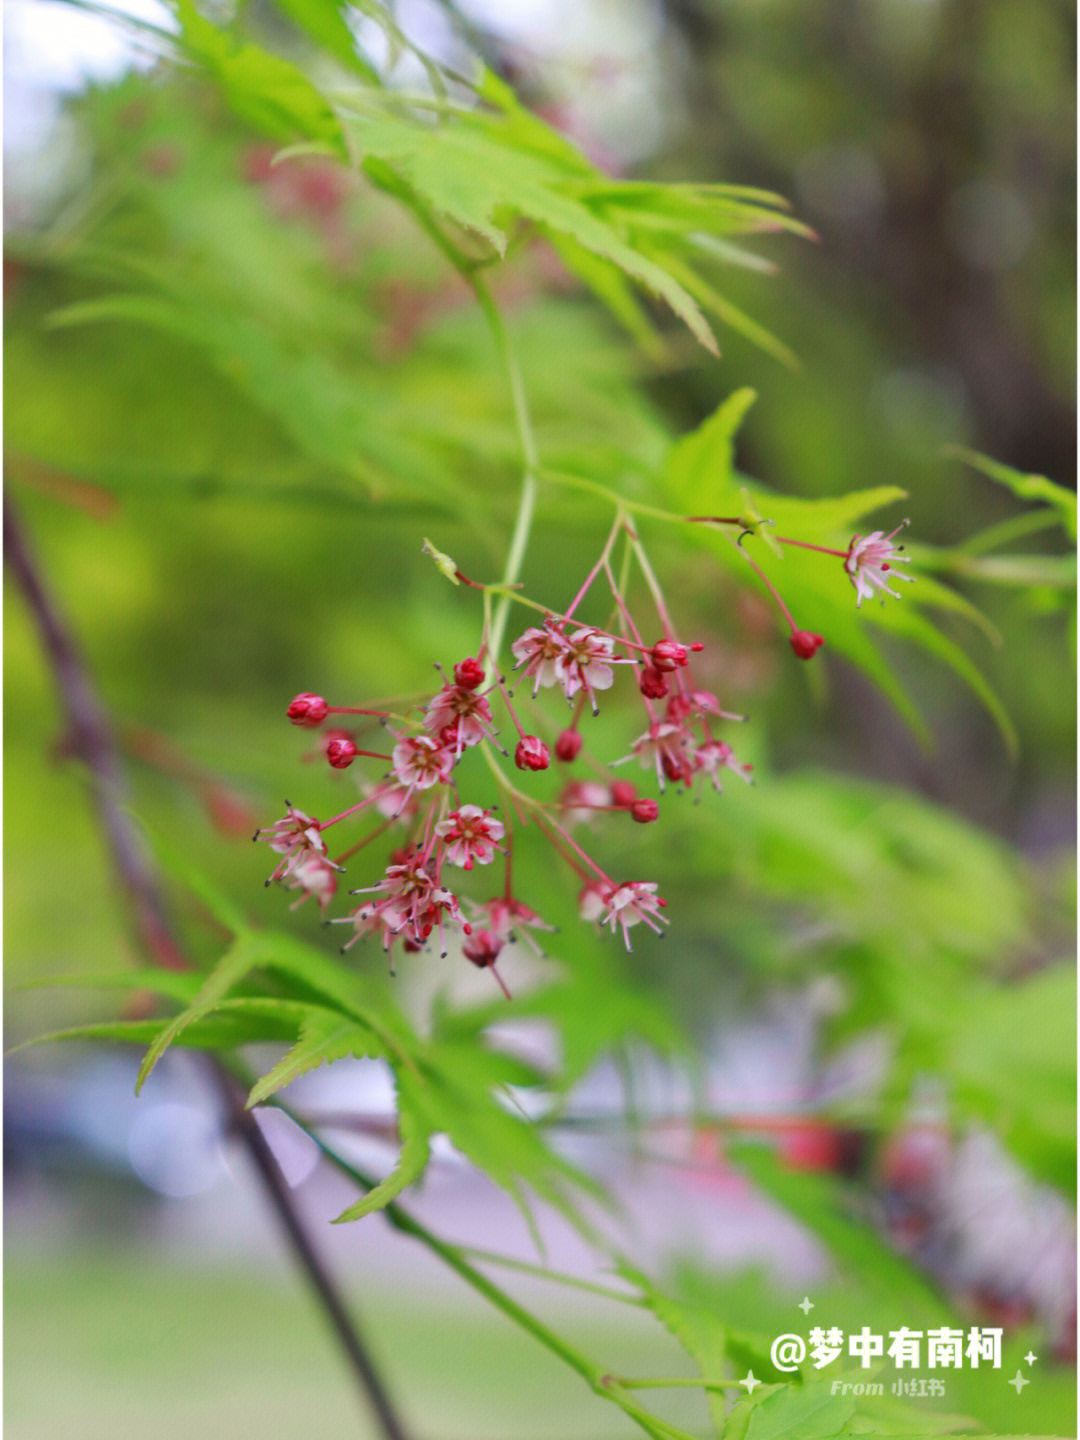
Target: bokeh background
x=874, y=945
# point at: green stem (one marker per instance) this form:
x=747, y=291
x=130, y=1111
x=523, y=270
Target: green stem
x=557, y=1277
x=523, y=422
x=594, y=487
x=689, y=1383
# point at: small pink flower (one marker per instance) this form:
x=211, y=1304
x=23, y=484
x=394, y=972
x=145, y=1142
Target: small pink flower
x=538, y=650
x=368, y=919
x=585, y=664
x=714, y=755
x=442, y=906
x=471, y=836
x=314, y=875
x=505, y=915
x=697, y=702
x=294, y=837
x=633, y=904
x=594, y=899
x=405, y=893
x=667, y=747
x=420, y=762
x=869, y=563
x=459, y=716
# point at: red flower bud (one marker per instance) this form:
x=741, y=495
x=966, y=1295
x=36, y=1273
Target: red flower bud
x=341, y=751
x=531, y=754
x=805, y=644
x=644, y=810
x=568, y=744
x=623, y=793
x=652, y=683
x=309, y=710
x=669, y=654
x=469, y=674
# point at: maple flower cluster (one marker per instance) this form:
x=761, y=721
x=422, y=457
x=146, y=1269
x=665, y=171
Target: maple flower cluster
x=442, y=835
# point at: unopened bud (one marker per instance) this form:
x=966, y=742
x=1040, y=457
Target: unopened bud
x=469, y=673
x=531, y=754
x=652, y=683
x=341, y=751
x=669, y=654
x=308, y=710
x=805, y=644
x=623, y=794
x=644, y=810
x=568, y=745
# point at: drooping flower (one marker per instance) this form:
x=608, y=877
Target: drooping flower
x=506, y=920
x=585, y=664
x=420, y=762
x=482, y=948
x=294, y=837
x=869, y=563
x=633, y=904
x=538, y=650
x=471, y=836
x=315, y=875
x=667, y=747
x=714, y=755
x=459, y=716
x=594, y=899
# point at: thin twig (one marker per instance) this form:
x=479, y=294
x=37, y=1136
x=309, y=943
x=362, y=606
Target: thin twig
x=89, y=739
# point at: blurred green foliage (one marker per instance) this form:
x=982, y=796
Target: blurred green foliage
x=243, y=385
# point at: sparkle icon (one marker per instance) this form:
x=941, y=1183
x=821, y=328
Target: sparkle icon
x=1019, y=1381
x=1030, y=1358
x=751, y=1381
x=806, y=1305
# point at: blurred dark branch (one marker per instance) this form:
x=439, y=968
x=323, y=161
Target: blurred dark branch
x=89, y=739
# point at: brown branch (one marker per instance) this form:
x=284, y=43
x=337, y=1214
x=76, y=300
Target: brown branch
x=89, y=739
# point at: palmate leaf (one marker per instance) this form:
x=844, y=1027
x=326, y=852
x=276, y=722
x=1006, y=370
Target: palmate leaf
x=701, y=1333
x=487, y=168
x=465, y=172
x=1023, y=486
x=324, y=21
x=262, y=88
x=809, y=1412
